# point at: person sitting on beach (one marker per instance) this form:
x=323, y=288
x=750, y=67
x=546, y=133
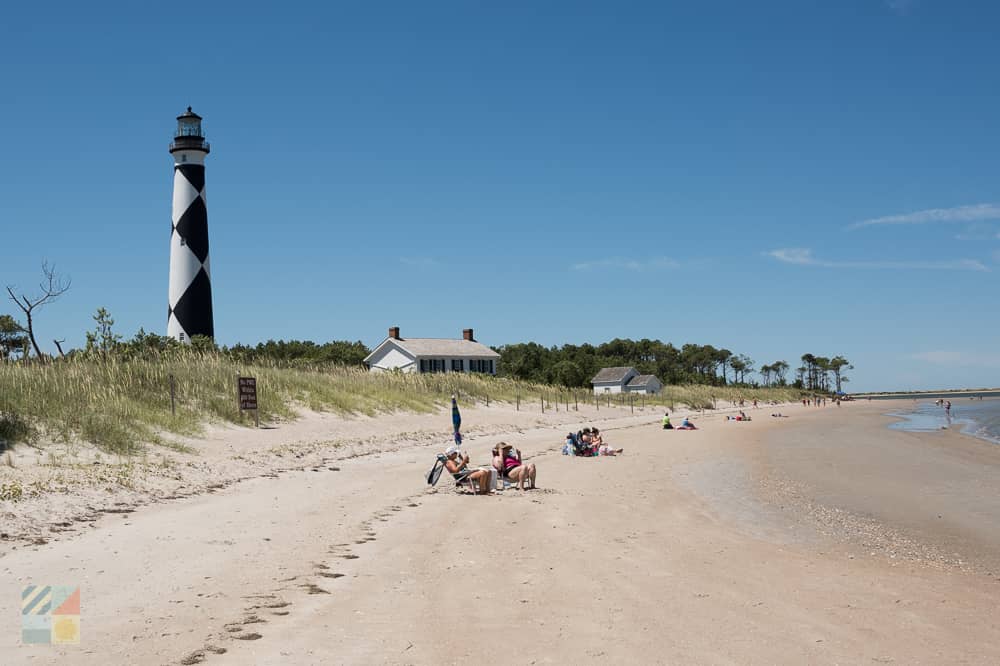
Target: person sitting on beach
x=508, y=461
x=603, y=449
x=587, y=443
x=666, y=422
x=458, y=464
x=686, y=424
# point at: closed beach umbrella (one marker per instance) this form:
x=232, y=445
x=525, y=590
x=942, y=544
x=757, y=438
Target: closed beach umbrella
x=456, y=420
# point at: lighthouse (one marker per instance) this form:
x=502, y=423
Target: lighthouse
x=189, y=301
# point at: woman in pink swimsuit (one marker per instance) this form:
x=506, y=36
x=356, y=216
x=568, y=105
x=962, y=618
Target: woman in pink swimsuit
x=513, y=468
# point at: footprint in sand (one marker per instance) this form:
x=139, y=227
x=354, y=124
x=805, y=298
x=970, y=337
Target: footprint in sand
x=198, y=656
x=248, y=637
x=315, y=589
x=326, y=574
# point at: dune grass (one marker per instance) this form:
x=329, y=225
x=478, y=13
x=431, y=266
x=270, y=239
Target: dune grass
x=121, y=404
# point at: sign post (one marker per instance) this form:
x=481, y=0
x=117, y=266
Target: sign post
x=246, y=393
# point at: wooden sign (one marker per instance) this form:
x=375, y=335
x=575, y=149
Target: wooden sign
x=248, y=393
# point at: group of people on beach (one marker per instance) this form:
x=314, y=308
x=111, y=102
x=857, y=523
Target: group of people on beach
x=507, y=465
x=686, y=424
x=588, y=443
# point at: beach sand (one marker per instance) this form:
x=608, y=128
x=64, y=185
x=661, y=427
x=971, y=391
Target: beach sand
x=813, y=539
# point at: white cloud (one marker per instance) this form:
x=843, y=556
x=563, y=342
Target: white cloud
x=972, y=213
x=958, y=358
x=618, y=263
x=801, y=256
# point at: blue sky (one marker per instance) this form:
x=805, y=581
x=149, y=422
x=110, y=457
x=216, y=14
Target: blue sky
x=776, y=178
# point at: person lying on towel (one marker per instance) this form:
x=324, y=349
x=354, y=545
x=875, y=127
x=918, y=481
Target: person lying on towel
x=603, y=448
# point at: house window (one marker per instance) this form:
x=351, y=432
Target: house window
x=481, y=365
x=431, y=365
x=456, y=365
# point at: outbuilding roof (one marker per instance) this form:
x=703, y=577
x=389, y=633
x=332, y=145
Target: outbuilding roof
x=642, y=380
x=611, y=375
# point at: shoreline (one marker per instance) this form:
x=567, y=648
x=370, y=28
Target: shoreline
x=926, y=497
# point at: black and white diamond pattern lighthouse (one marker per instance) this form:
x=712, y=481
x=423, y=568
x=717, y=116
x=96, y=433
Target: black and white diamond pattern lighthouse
x=190, y=297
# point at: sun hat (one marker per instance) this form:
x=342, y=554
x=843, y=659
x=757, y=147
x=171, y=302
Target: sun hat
x=451, y=449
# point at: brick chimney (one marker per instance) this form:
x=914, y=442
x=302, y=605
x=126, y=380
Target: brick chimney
x=394, y=332
x=467, y=335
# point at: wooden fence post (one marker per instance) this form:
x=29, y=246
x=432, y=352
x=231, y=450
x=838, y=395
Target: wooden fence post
x=173, y=391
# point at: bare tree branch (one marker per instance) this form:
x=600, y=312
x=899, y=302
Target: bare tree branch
x=51, y=288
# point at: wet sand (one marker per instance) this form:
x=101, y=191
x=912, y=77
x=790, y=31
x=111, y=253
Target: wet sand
x=939, y=491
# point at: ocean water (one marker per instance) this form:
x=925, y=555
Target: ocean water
x=979, y=418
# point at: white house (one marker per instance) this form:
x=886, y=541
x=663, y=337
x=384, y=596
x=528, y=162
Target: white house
x=432, y=355
x=613, y=380
x=644, y=384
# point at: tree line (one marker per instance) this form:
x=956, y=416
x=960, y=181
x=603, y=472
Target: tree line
x=568, y=365
x=576, y=365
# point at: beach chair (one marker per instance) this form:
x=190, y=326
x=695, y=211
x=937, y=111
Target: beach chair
x=462, y=480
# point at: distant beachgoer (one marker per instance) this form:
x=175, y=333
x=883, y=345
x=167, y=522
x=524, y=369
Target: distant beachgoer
x=666, y=422
x=686, y=424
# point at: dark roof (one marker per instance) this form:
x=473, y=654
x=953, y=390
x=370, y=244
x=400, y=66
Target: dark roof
x=611, y=375
x=641, y=380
